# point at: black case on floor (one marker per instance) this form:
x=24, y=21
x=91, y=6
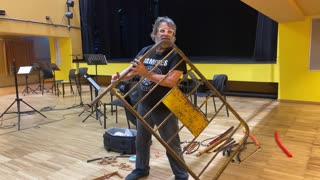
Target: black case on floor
x=121, y=144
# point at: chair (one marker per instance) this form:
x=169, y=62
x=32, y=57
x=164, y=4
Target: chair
x=80, y=79
x=131, y=99
x=71, y=81
x=187, y=85
x=82, y=71
x=219, y=82
x=116, y=103
x=46, y=75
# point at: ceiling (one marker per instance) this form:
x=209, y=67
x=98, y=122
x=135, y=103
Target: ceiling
x=284, y=11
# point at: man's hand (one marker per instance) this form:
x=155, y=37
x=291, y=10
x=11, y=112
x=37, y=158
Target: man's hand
x=138, y=68
x=115, y=77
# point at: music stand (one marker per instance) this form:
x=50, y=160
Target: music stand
x=40, y=65
x=96, y=59
x=36, y=66
x=26, y=70
x=18, y=100
x=96, y=90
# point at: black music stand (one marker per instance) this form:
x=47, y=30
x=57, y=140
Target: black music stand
x=96, y=90
x=26, y=70
x=40, y=65
x=36, y=66
x=96, y=59
x=18, y=100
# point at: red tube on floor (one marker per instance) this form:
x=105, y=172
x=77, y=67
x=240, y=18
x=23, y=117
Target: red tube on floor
x=281, y=146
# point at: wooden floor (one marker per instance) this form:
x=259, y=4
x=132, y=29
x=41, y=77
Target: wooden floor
x=58, y=146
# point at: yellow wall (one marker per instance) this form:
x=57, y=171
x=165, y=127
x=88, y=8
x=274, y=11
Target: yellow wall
x=296, y=81
x=242, y=72
x=32, y=22
x=235, y=72
x=36, y=11
x=66, y=58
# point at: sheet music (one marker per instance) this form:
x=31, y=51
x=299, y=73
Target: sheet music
x=25, y=69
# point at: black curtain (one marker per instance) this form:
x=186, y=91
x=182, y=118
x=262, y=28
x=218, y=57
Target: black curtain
x=87, y=17
x=266, y=39
x=122, y=27
x=213, y=29
x=226, y=31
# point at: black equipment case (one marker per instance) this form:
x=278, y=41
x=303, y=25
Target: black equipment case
x=120, y=143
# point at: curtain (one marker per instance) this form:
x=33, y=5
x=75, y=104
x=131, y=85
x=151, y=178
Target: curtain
x=18, y=51
x=87, y=17
x=116, y=28
x=3, y=62
x=266, y=39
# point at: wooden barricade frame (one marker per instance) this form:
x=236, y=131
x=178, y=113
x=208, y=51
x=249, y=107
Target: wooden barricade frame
x=191, y=118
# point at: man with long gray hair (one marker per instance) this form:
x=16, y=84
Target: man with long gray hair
x=163, y=28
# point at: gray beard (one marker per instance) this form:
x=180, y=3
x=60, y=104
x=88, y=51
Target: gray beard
x=163, y=46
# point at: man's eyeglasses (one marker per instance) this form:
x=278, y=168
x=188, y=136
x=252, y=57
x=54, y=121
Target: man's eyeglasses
x=169, y=31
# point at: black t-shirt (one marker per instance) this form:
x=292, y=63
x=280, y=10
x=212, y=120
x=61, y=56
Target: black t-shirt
x=168, y=64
